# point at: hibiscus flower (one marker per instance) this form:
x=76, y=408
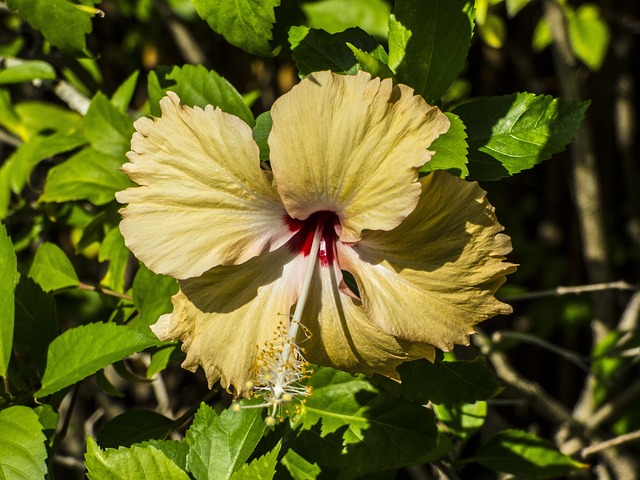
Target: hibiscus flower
x=340, y=253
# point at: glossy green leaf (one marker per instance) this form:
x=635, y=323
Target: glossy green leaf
x=116, y=253
x=162, y=358
x=299, y=468
x=42, y=117
x=107, y=129
x=152, y=297
x=372, y=62
x=27, y=70
x=512, y=133
x=261, y=468
x=134, y=426
x=63, y=23
x=377, y=431
x=247, y=24
x=82, y=351
x=428, y=43
x=195, y=85
x=8, y=280
x=334, y=16
x=139, y=462
x=52, y=269
x=36, y=320
x=88, y=175
x=315, y=50
x=176, y=451
x=524, y=454
x=445, y=382
x=450, y=150
x=9, y=118
x=589, y=35
x=221, y=443
x=22, y=445
x=123, y=95
x=463, y=420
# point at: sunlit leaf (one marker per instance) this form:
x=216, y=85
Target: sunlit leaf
x=152, y=297
x=463, y=419
x=524, y=454
x=82, y=351
x=22, y=445
x=123, y=95
x=247, y=24
x=52, y=269
x=450, y=150
x=139, y=462
x=107, y=129
x=493, y=31
x=261, y=134
x=299, y=468
x=8, y=280
x=221, y=442
x=428, y=43
x=334, y=16
x=589, y=35
x=116, y=253
x=261, y=468
x=371, y=62
x=512, y=133
x=27, y=70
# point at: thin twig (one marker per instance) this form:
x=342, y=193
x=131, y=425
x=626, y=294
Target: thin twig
x=626, y=438
x=104, y=291
x=559, y=291
x=613, y=407
x=6, y=137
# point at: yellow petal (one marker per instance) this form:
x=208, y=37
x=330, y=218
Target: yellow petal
x=224, y=315
x=432, y=278
x=203, y=199
x=341, y=335
x=352, y=145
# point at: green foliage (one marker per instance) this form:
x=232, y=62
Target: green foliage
x=134, y=426
x=262, y=468
x=82, y=351
x=428, y=43
x=22, y=444
x=24, y=71
x=63, y=23
x=8, y=280
x=140, y=462
x=247, y=24
x=589, y=35
x=450, y=150
x=524, y=454
x=52, y=269
x=336, y=16
x=512, y=133
x=219, y=443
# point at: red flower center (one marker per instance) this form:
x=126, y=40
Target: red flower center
x=302, y=240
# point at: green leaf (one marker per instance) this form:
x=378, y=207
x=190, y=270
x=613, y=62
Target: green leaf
x=524, y=454
x=116, y=253
x=9, y=118
x=106, y=128
x=446, y=382
x=174, y=450
x=41, y=117
x=514, y=6
x=512, y=133
x=378, y=431
x=372, y=63
x=261, y=134
x=162, y=358
x=197, y=86
x=334, y=16
x=52, y=269
x=8, y=280
x=299, y=468
x=152, y=297
x=464, y=419
x=314, y=50
x=88, y=175
x=589, y=35
x=139, y=462
x=261, y=468
x=542, y=36
x=63, y=23
x=493, y=31
x=221, y=443
x=36, y=320
x=82, y=351
x=123, y=95
x=428, y=43
x=450, y=150
x=134, y=426
x=22, y=445
x=247, y=24
x=26, y=70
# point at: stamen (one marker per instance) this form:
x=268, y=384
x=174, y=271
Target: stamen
x=280, y=364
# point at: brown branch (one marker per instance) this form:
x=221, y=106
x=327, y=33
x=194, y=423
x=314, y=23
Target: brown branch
x=559, y=291
x=626, y=438
x=104, y=291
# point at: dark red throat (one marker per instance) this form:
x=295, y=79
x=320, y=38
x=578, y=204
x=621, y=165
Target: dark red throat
x=302, y=240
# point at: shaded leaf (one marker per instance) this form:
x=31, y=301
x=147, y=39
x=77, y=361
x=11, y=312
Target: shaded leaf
x=22, y=445
x=134, y=426
x=174, y=450
x=464, y=419
x=197, y=86
x=261, y=468
x=123, y=95
x=221, y=443
x=107, y=129
x=247, y=24
x=82, y=351
x=450, y=150
x=152, y=294
x=52, y=269
x=8, y=280
x=524, y=454
x=116, y=253
x=372, y=62
x=428, y=43
x=261, y=134
x=515, y=132
x=139, y=462
x=314, y=50
x=299, y=468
